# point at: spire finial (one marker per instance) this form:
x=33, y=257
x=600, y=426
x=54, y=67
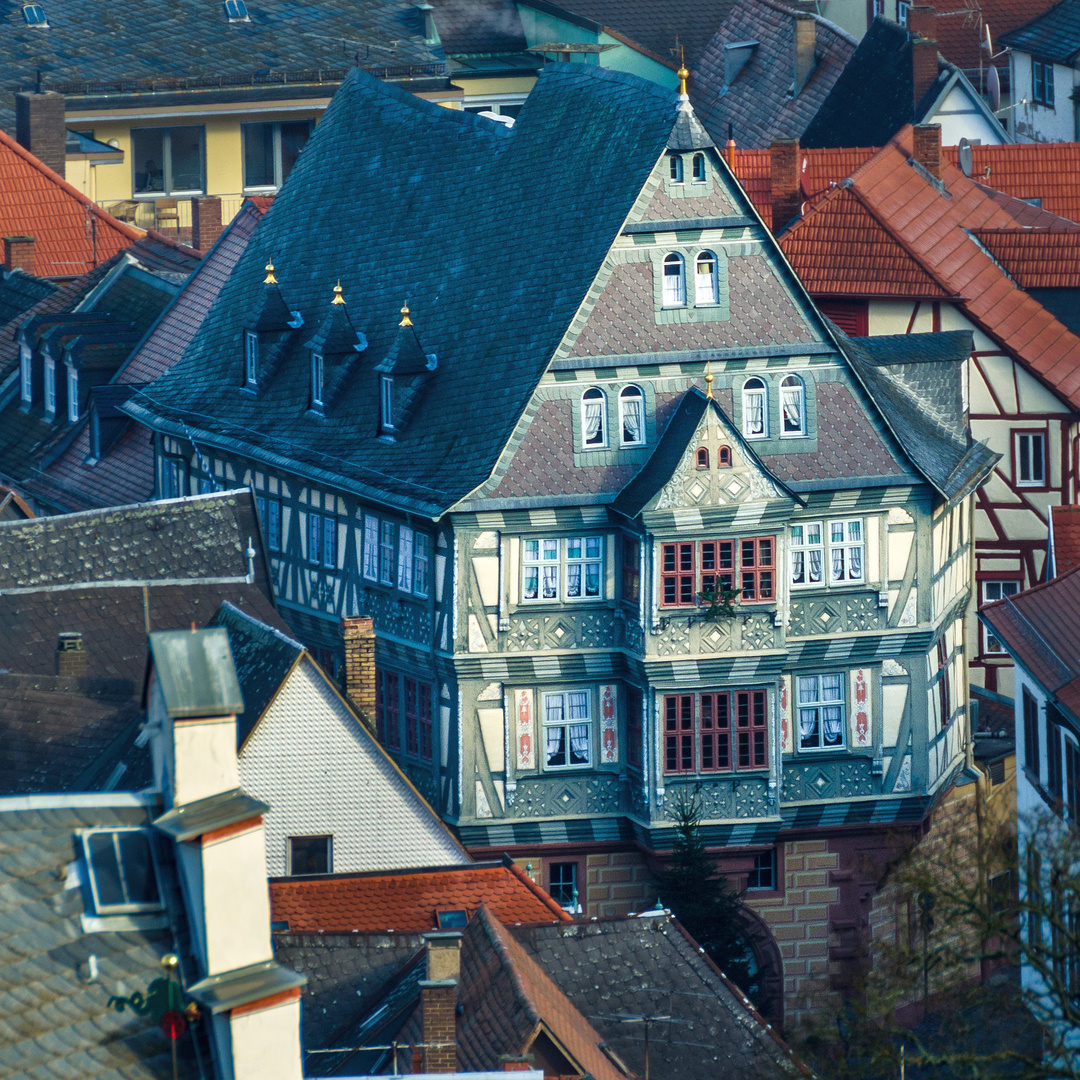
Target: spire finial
x=405, y=320
x=270, y=279
x=708, y=379
x=682, y=72
x=338, y=297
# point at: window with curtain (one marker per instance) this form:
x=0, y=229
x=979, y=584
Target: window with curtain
x=705, y=291
x=567, y=729
x=846, y=551
x=73, y=394
x=421, y=564
x=793, y=406
x=807, y=554
x=821, y=712
x=567, y=569
x=593, y=403
x=674, y=281
x=50, y=385
x=632, y=416
x=25, y=376
x=371, y=547
x=755, y=410
x=405, y=558
x=386, y=553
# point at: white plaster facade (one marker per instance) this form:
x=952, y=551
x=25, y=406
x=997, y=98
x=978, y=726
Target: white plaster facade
x=1035, y=122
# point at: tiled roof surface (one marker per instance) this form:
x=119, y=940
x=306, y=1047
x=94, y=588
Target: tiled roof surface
x=19, y=291
x=40, y=204
x=472, y=27
x=1053, y=35
x=54, y=1023
x=1041, y=628
x=759, y=104
x=643, y=966
x=1036, y=258
x=1065, y=537
x=408, y=902
x=958, y=31
x=572, y=184
x=132, y=42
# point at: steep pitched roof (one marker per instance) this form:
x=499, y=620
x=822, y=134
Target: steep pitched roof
x=1064, y=539
x=408, y=902
x=492, y=305
x=759, y=103
x=19, y=291
x=1036, y=258
x=1054, y=35
x=71, y=233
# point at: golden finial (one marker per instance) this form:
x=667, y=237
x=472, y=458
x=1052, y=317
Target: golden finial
x=405, y=320
x=270, y=279
x=338, y=297
x=682, y=72
x=708, y=379
x=170, y=962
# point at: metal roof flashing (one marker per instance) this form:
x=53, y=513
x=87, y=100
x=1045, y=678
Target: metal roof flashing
x=220, y=993
x=197, y=818
x=196, y=674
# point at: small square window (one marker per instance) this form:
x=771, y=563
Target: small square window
x=763, y=876
x=123, y=877
x=563, y=885
x=453, y=920
x=311, y=855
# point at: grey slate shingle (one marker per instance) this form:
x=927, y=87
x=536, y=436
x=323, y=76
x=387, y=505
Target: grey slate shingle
x=1053, y=36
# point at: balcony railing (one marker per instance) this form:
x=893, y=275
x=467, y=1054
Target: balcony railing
x=170, y=215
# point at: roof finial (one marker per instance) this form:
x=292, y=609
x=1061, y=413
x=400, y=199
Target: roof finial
x=338, y=297
x=682, y=73
x=270, y=279
x=708, y=379
x=405, y=320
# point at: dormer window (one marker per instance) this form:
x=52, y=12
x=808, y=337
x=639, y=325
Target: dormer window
x=676, y=169
x=723, y=457
x=50, y=386
x=25, y=375
x=699, y=167
x=705, y=291
x=316, y=380
x=121, y=871
x=702, y=457
x=251, y=360
x=793, y=407
x=593, y=405
x=386, y=399
x=72, y=394
x=674, y=280
x=755, y=411
x=632, y=417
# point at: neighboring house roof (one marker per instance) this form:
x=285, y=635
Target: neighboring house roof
x=1064, y=540
x=1041, y=629
x=902, y=225
x=125, y=471
x=71, y=234
x=648, y=965
x=408, y=902
x=479, y=27
x=13, y=507
x=19, y=291
x=1054, y=35
x=958, y=29
x=1036, y=258
x=760, y=103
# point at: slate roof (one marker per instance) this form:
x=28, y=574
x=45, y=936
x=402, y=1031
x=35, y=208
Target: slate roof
x=135, y=43
x=19, y=291
x=1041, y=629
x=1054, y=35
x=492, y=301
x=648, y=966
x=1036, y=258
x=407, y=902
x=759, y=104
x=39, y=203
x=1064, y=538
x=53, y=1021
x=479, y=27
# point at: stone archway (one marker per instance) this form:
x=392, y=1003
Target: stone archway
x=768, y=984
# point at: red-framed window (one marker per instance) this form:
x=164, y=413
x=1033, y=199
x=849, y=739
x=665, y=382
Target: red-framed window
x=689, y=568
x=751, y=729
x=698, y=731
x=757, y=568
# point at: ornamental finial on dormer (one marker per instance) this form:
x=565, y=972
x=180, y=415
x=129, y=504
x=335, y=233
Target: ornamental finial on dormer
x=270, y=279
x=339, y=297
x=405, y=320
x=682, y=73
x=708, y=379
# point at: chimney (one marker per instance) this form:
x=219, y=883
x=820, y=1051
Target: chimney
x=516, y=1062
x=205, y=222
x=438, y=1000
x=927, y=148
x=805, y=44
x=431, y=31
x=786, y=186
x=924, y=50
x=39, y=127
x=19, y=253
x=70, y=655
x=358, y=633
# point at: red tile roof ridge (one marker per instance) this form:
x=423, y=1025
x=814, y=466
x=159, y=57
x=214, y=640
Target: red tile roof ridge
x=348, y=875
x=542, y=894
x=1031, y=589
x=69, y=188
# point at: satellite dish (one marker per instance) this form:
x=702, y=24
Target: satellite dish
x=963, y=150
x=993, y=88
x=986, y=42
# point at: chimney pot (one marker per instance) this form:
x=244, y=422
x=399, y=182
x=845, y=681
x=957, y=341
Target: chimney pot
x=19, y=253
x=39, y=127
x=358, y=634
x=805, y=45
x=784, y=163
x=205, y=222
x=70, y=655
x=927, y=148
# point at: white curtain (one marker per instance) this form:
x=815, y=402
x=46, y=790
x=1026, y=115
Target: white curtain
x=579, y=744
x=815, y=565
x=551, y=582
x=705, y=284
x=792, y=408
x=798, y=567
x=808, y=719
x=838, y=564
x=834, y=725
x=594, y=416
x=554, y=747
x=573, y=579
x=855, y=563
x=754, y=408
x=405, y=553
x=633, y=421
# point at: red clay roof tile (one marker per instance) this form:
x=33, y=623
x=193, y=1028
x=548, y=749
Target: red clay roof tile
x=1065, y=537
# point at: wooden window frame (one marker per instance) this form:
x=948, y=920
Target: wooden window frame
x=1029, y=433
x=799, y=386
x=566, y=723
x=631, y=392
x=701, y=457
x=708, y=257
x=761, y=389
x=751, y=715
x=592, y=395
x=631, y=569
x=690, y=567
x=705, y=733
x=1045, y=69
x=820, y=704
x=562, y=563
x=677, y=297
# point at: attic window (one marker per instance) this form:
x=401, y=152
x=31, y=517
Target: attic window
x=251, y=359
x=25, y=374
x=316, y=380
x=723, y=457
x=674, y=281
x=705, y=290
x=632, y=416
x=593, y=408
x=793, y=406
x=676, y=169
x=453, y=920
x=122, y=875
x=386, y=399
x=236, y=11
x=699, y=167
x=755, y=409
x=73, y=394
x=702, y=457
x=34, y=15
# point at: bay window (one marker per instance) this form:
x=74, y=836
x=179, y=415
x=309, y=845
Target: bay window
x=562, y=569
x=567, y=729
x=689, y=568
x=821, y=711
x=715, y=732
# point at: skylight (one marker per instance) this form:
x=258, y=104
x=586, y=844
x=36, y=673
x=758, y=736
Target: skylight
x=34, y=15
x=236, y=11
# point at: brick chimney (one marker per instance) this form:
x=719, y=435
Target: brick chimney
x=516, y=1062
x=205, y=222
x=924, y=50
x=19, y=253
x=358, y=633
x=438, y=1000
x=805, y=44
x=786, y=186
x=70, y=655
x=927, y=148
x=39, y=126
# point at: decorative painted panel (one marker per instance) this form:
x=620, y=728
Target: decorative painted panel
x=860, y=707
x=836, y=614
x=565, y=630
x=785, y=714
x=722, y=800
x=808, y=779
x=682, y=635
x=559, y=796
x=609, y=734
x=525, y=735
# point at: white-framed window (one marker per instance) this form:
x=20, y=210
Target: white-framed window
x=705, y=291
x=821, y=711
x=405, y=559
x=838, y=546
x=991, y=591
x=631, y=416
x=567, y=730
x=593, y=417
x=26, y=391
x=329, y=543
x=1029, y=458
x=755, y=409
x=122, y=872
x=675, y=169
x=251, y=359
x=792, y=407
x=807, y=546
x=421, y=564
x=1042, y=83
x=562, y=569
x=386, y=400
x=386, y=553
x=846, y=549
x=314, y=552
x=50, y=386
x=674, y=290
x=370, y=566
x=311, y=855
x=270, y=152
x=316, y=380
x=72, y=394
x=902, y=8
x=699, y=168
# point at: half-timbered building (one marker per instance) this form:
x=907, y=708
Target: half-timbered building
x=606, y=398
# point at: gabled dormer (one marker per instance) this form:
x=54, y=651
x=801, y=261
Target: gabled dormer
x=402, y=376
x=332, y=351
x=266, y=333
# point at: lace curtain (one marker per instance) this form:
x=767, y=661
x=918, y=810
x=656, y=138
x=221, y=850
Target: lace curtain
x=633, y=420
x=594, y=421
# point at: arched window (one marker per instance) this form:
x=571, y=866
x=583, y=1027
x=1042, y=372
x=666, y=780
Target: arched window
x=793, y=406
x=723, y=457
x=755, y=409
x=674, y=281
x=593, y=405
x=699, y=167
x=705, y=278
x=702, y=457
x=632, y=417
x=675, y=166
